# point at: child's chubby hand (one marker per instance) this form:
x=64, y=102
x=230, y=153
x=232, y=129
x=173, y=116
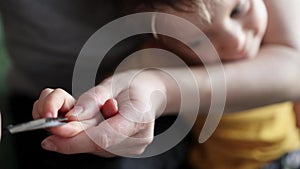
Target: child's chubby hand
x=297, y=113
x=59, y=103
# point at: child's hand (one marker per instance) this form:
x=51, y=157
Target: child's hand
x=297, y=113
x=56, y=103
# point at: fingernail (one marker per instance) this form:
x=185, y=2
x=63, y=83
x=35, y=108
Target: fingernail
x=77, y=110
x=49, y=145
x=48, y=115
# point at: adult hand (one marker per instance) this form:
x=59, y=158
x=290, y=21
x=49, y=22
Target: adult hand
x=126, y=133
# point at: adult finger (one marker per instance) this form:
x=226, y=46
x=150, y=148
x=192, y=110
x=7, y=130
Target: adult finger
x=73, y=128
x=90, y=103
x=80, y=143
x=107, y=134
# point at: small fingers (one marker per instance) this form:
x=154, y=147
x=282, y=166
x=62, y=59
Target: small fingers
x=37, y=103
x=51, y=102
x=45, y=93
x=35, y=112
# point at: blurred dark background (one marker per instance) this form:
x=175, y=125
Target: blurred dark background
x=6, y=148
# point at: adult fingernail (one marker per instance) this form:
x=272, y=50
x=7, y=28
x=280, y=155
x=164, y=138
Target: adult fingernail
x=49, y=145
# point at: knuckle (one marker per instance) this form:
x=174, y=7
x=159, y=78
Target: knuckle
x=46, y=91
x=143, y=126
x=56, y=93
x=137, y=127
x=59, y=90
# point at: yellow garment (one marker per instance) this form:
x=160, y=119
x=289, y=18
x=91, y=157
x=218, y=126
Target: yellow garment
x=248, y=139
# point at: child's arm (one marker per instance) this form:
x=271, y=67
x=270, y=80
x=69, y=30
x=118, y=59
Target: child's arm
x=271, y=77
x=283, y=23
